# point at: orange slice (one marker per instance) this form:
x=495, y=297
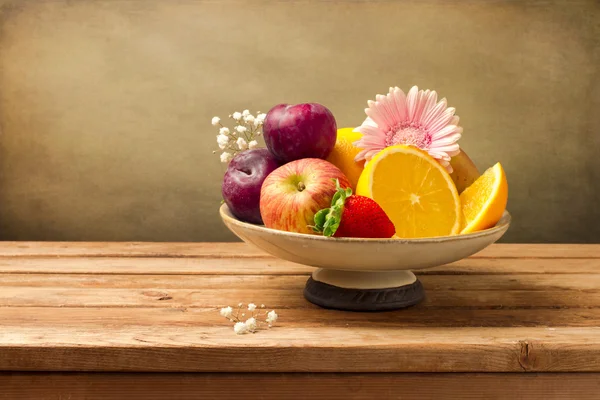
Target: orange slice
x=484, y=202
x=414, y=190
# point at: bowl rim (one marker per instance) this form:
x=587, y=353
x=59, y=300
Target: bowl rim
x=502, y=225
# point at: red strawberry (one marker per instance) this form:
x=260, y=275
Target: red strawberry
x=353, y=216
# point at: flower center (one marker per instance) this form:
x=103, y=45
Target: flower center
x=408, y=133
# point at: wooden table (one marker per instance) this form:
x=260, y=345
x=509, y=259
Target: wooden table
x=107, y=320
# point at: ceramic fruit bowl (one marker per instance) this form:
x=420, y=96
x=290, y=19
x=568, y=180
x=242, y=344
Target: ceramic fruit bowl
x=364, y=274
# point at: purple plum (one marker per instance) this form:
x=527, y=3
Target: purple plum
x=298, y=131
x=243, y=181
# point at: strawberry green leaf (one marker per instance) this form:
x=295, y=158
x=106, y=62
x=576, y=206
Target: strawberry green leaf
x=320, y=219
x=328, y=220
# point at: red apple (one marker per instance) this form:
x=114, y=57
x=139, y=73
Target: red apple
x=292, y=194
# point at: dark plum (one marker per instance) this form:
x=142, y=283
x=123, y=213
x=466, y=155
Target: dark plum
x=243, y=181
x=293, y=132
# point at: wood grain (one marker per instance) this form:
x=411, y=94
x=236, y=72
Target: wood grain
x=148, y=386
x=299, y=349
x=174, y=249
x=97, y=317
x=153, y=307
x=495, y=292
x=272, y=266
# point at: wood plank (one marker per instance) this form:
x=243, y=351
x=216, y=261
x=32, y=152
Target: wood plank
x=149, y=249
x=272, y=266
x=369, y=349
x=148, y=386
x=451, y=291
x=524, y=282
x=278, y=298
x=415, y=317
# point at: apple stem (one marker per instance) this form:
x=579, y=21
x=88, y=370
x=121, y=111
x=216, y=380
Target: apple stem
x=301, y=186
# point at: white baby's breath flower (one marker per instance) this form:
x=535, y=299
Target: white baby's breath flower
x=242, y=144
x=222, y=140
x=240, y=328
x=240, y=304
x=226, y=311
x=226, y=157
x=251, y=307
x=251, y=324
x=272, y=317
x=242, y=136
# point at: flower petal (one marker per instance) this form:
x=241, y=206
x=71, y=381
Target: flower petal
x=450, y=148
x=426, y=101
x=369, y=141
x=387, y=106
x=377, y=112
x=448, y=130
x=442, y=121
x=446, y=140
x=430, y=102
x=412, y=99
x=367, y=154
x=370, y=130
x=434, y=113
x=401, y=107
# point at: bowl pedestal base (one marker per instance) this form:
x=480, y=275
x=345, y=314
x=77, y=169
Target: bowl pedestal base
x=363, y=291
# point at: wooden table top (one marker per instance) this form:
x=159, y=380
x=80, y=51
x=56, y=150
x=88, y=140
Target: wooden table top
x=154, y=307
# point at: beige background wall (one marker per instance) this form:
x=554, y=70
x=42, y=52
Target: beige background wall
x=105, y=106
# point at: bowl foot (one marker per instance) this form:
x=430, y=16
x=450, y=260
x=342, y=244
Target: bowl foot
x=363, y=291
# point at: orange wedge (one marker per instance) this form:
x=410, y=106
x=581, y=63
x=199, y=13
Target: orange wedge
x=484, y=202
x=414, y=190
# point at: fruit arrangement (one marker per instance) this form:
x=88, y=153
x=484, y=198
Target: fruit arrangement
x=400, y=174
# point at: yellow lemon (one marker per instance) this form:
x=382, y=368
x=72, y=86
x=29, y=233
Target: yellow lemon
x=484, y=202
x=415, y=191
x=342, y=155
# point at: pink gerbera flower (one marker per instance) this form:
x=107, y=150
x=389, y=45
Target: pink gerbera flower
x=416, y=119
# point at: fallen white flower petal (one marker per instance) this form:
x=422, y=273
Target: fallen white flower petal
x=240, y=328
x=272, y=316
x=251, y=324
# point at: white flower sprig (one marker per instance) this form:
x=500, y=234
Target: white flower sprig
x=242, y=137
x=250, y=325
